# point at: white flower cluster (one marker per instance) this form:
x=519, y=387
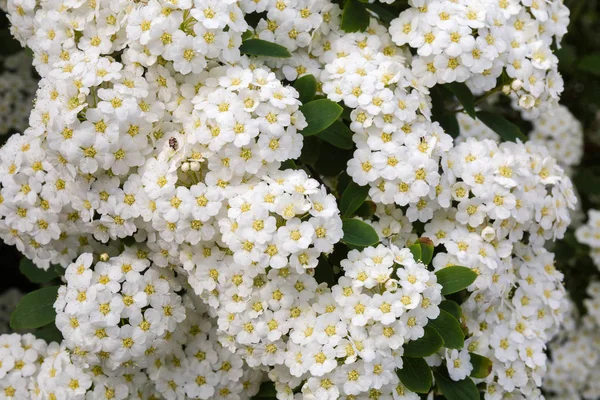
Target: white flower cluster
x=346, y=341
x=118, y=311
x=17, y=91
x=573, y=368
x=589, y=234
x=476, y=41
x=489, y=217
x=8, y=302
x=556, y=129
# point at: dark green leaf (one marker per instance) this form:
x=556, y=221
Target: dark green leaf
x=415, y=374
x=449, y=122
x=332, y=160
x=355, y=17
x=503, y=127
x=49, y=333
x=339, y=135
x=311, y=148
x=482, y=366
x=366, y=210
x=35, y=274
x=464, y=95
x=455, y=390
x=259, y=47
x=306, y=87
x=353, y=197
x=35, y=309
x=426, y=250
x=288, y=164
x=454, y=279
x=452, y=308
x=382, y=12
x=319, y=114
x=427, y=345
x=358, y=233
x=449, y=329
x=590, y=64
x=324, y=272
x=266, y=391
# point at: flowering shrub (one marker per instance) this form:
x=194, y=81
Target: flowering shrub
x=266, y=198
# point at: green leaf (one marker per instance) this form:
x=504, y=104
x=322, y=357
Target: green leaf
x=452, y=308
x=35, y=309
x=382, y=12
x=464, y=95
x=355, y=17
x=353, y=197
x=49, y=333
x=415, y=374
x=332, y=160
x=311, y=149
x=259, y=47
x=455, y=390
x=339, y=135
x=288, y=164
x=366, y=210
x=503, y=127
x=307, y=87
x=425, y=346
x=319, y=114
x=454, y=279
x=590, y=64
x=482, y=366
x=324, y=272
x=266, y=391
x=426, y=249
x=415, y=249
x=358, y=233
x=449, y=329
x=35, y=274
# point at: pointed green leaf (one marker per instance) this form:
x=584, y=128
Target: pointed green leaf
x=324, y=272
x=455, y=390
x=426, y=250
x=49, y=333
x=358, y=233
x=503, y=127
x=35, y=309
x=319, y=114
x=353, y=197
x=451, y=308
x=35, y=274
x=415, y=249
x=482, y=366
x=338, y=135
x=415, y=374
x=464, y=95
x=355, y=17
x=259, y=47
x=449, y=329
x=307, y=87
x=454, y=279
x=425, y=346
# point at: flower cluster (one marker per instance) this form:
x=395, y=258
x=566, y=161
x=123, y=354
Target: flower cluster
x=475, y=42
x=589, y=234
x=17, y=91
x=556, y=129
x=574, y=359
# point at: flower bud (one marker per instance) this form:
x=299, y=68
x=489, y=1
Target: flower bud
x=488, y=234
x=391, y=285
x=516, y=84
x=185, y=167
x=195, y=166
x=506, y=89
x=527, y=101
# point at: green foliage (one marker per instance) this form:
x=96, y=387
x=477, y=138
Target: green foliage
x=482, y=366
x=358, y=233
x=503, y=127
x=451, y=308
x=324, y=272
x=35, y=309
x=338, y=135
x=355, y=17
x=35, y=274
x=449, y=329
x=455, y=390
x=266, y=391
x=590, y=64
x=320, y=114
x=415, y=374
x=454, y=279
x=354, y=196
x=425, y=346
x=306, y=87
x=259, y=47
x=464, y=95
